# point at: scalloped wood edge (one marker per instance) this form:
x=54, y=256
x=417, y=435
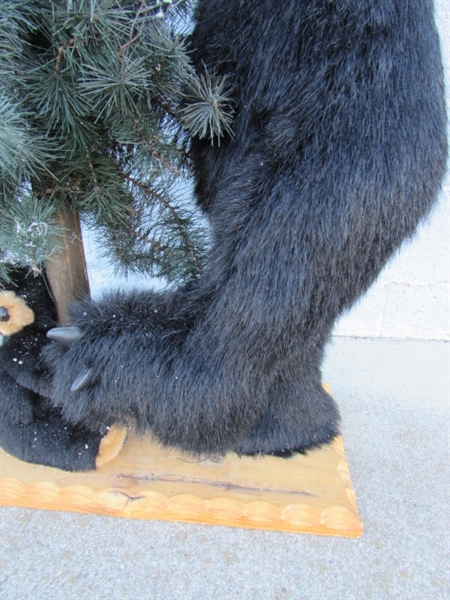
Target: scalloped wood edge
x=304, y=494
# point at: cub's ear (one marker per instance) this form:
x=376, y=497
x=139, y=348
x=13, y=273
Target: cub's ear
x=111, y=445
x=14, y=313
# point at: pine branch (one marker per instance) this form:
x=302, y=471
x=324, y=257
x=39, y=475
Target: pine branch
x=176, y=217
x=209, y=112
x=90, y=118
x=60, y=55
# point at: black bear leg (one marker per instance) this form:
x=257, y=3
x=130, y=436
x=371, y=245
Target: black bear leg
x=300, y=415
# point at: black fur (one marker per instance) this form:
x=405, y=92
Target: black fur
x=31, y=428
x=339, y=151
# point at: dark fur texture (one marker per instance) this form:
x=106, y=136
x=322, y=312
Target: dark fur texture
x=31, y=428
x=339, y=151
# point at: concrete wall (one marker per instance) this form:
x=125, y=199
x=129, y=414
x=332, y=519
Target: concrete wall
x=411, y=297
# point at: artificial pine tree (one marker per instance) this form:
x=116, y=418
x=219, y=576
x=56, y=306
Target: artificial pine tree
x=93, y=95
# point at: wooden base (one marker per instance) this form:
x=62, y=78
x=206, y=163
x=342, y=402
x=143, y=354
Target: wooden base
x=305, y=494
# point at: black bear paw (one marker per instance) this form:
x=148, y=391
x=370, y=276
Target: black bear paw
x=66, y=336
x=273, y=445
x=76, y=371
x=302, y=417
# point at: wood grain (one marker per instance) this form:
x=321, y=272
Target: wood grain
x=305, y=494
x=66, y=269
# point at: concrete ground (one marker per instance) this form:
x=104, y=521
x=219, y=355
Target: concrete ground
x=394, y=400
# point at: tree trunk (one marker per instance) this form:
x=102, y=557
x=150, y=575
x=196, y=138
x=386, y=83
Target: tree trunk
x=66, y=269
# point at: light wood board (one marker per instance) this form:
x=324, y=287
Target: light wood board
x=304, y=494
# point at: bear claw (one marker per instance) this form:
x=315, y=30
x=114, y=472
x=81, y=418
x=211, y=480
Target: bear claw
x=83, y=380
x=64, y=335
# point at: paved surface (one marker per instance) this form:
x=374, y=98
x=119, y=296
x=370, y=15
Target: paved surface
x=394, y=399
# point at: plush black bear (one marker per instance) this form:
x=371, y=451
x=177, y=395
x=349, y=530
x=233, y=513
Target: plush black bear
x=30, y=427
x=339, y=151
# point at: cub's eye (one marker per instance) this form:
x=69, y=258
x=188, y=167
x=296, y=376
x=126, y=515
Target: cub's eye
x=4, y=314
